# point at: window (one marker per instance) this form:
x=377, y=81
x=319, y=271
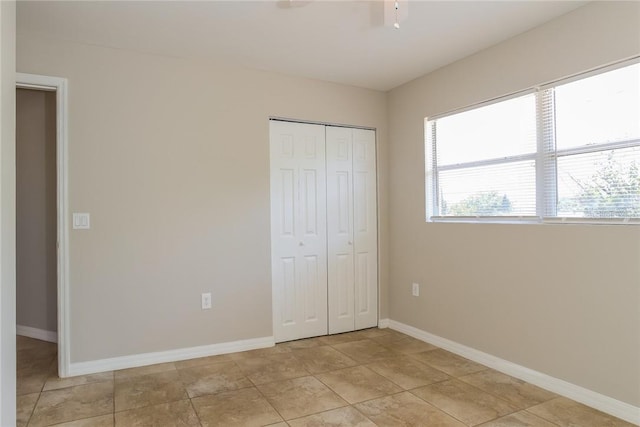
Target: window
x=567, y=151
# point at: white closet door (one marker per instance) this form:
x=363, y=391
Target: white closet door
x=340, y=229
x=365, y=228
x=298, y=230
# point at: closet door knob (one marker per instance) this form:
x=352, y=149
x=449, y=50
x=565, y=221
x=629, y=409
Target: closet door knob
x=300, y=244
x=350, y=242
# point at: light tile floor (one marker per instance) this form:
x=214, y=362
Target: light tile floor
x=375, y=377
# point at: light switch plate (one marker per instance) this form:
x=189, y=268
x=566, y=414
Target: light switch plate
x=206, y=301
x=81, y=221
x=415, y=290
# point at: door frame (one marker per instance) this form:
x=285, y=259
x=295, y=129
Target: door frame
x=382, y=323
x=59, y=86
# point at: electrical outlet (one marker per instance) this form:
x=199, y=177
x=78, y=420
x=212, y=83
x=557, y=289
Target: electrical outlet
x=206, y=301
x=416, y=289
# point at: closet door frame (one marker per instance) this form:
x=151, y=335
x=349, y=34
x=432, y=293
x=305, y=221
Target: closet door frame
x=377, y=225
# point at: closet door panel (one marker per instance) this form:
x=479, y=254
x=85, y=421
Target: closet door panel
x=311, y=282
x=363, y=289
x=312, y=245
x=340, y=267
x=342, y=277
x=287, y=187
x=365, y=228
x=287, y=271
x=298, y=230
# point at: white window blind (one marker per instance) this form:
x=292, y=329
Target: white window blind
x=598, y=145
x=485, y=160
x=570, y=150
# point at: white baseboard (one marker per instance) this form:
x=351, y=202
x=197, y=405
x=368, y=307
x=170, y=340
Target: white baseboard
x=383, y=323
x=588, y=397
x=39, y=334
x=144, y=359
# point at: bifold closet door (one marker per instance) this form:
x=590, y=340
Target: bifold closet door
x=298, y=230
x=352, y=237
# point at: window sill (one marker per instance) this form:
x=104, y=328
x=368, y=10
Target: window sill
x=533, y=220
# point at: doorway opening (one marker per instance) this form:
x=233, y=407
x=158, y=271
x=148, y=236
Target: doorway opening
x=42, y=317
x=36, y=238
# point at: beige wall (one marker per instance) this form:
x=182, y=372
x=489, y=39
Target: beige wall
x=171, y=159
x=36, y=232
x=7, y=213
x=560, y=299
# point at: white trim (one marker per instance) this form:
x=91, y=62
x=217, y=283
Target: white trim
x=59, y=85
x=485, y=220
x=591, y=221
x=588, y=397
x=488, y=162
x=144, y=359
x=596, y=148
x=532, y=220
x=39, y=334
x=383, y=323
x=312, y=122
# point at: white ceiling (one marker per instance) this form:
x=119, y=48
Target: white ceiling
x=339, y=41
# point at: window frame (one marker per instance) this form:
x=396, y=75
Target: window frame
x=545, y=157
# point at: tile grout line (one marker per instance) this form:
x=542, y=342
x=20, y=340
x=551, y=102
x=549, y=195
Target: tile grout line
x=270, y=404
x=464, y=382
x=447, y=413
x=450, y=377
x=360, y=412
x=311, y=375
x=502, y=398
x=525, y=410
x=114, y=397
x=33, y=409
x=540, y=416
x=483, y=391
x=195, y=411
